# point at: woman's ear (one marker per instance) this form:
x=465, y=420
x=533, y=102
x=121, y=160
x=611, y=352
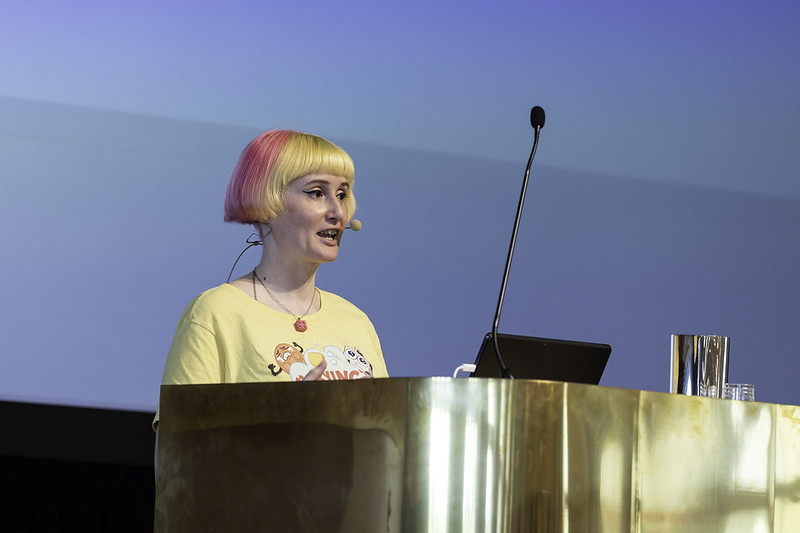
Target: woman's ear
x=263, y=229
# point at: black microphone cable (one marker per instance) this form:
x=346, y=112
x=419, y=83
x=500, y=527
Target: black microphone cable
x=256, y=240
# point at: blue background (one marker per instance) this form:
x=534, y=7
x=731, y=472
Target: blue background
x=664, y=197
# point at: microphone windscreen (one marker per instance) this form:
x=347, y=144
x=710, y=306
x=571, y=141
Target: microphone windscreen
x=537, y=117
x=355, y=225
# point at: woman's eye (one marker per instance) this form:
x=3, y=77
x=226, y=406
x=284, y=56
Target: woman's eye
x=342, y=196
x=316, y=193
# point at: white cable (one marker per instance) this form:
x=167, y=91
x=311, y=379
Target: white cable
x=466, y=367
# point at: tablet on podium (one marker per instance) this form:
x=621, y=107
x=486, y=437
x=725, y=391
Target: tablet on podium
x=547, y=359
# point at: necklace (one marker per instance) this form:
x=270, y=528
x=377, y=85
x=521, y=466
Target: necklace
x=299, y=324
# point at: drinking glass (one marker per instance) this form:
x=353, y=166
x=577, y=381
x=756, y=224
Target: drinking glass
x=739, y=391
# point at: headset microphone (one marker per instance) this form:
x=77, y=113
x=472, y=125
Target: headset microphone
x=257, y=240
x=355, y=225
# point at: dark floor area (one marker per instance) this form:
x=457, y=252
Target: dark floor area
x=72, y=469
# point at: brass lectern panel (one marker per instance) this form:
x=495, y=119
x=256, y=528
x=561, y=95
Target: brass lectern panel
x=471, y=455
x=706, y=464
x=787, y=468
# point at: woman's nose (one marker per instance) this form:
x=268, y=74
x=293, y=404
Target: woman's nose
x=335, y=209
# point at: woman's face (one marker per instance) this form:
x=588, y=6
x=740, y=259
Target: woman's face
x=310, y=229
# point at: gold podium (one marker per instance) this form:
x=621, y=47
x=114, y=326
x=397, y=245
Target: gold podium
x=471, y=455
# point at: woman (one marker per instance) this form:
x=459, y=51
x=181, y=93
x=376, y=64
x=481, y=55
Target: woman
x=274, y=324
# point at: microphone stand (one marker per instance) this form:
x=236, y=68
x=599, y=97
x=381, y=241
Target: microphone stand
x=537, y=122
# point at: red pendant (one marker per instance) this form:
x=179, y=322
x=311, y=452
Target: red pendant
x=300, y=325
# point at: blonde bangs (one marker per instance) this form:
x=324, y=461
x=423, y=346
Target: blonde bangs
x=306, y=154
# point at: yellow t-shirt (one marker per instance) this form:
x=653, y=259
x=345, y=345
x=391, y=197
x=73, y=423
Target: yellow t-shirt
x=225, y=336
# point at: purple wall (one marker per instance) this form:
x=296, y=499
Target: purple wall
x=664, y=197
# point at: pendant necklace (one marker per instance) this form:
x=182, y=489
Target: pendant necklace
x=299, y=324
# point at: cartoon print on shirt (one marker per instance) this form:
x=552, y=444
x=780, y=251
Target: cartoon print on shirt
x=286, y=355
x=357, y=359
x=347, y=364
x=271, y=367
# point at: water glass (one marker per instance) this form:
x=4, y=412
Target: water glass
x=739, y=391
x=699, y=364
x=709, y=391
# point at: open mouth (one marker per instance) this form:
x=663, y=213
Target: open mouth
x=329, y=234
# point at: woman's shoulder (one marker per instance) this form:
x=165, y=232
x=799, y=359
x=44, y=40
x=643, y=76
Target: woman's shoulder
x=224, y=296
x=334, y=302
x=225, y=292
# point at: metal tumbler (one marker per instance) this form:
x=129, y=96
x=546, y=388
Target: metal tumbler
x=699, y=365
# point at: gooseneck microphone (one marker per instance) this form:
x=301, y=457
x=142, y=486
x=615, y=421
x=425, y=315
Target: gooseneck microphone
x=537, y=123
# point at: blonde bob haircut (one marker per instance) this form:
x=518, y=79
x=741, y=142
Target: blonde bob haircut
x=270, y=163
